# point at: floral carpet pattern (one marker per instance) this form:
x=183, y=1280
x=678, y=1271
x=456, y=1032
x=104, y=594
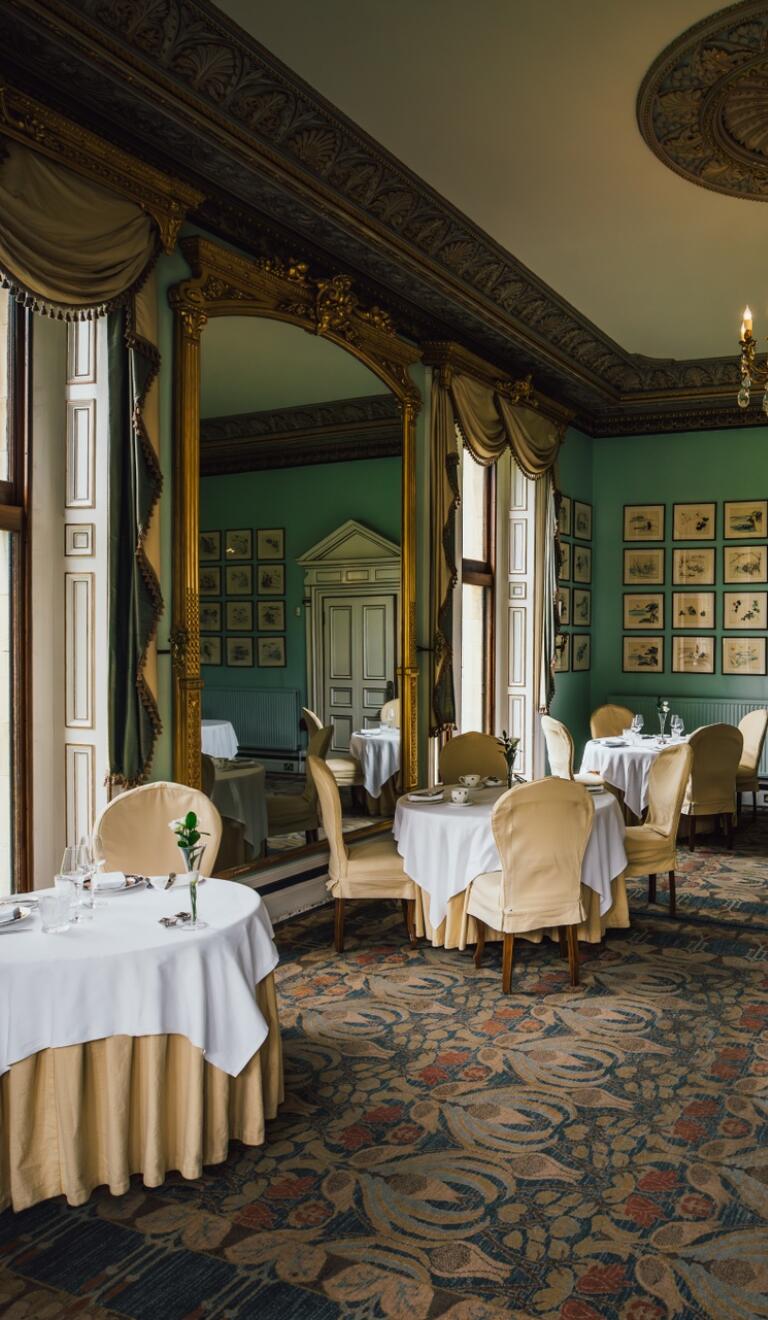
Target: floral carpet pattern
x=448, y=1152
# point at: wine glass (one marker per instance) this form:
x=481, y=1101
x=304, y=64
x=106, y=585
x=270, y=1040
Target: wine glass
x=70, y=874
x=637, y=724
x=677, y=726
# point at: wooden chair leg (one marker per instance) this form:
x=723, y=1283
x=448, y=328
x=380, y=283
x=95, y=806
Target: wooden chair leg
x=691, y=833
x=311, y=836
x=573, y=954
x=738, y=808
x=672, y=895
x=409, y=917
x=651, y=888
x=563, y=941
x=507, y=963
x=338, y=925
x=729, y=830
x=480, y=946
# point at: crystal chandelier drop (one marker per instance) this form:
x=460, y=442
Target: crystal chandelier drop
x=751, y=371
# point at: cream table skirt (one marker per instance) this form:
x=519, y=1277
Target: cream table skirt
x=458, y=929
x=78, y=1117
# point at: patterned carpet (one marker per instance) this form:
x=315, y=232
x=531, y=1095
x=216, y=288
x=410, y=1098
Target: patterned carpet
x=448, y=1152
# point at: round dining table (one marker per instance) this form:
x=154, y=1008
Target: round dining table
x=626, y=765
x=378, y=751
x=218, y=738
x=445, y=845
x=240, y=792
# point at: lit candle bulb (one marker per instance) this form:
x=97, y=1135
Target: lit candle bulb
x=746, y=324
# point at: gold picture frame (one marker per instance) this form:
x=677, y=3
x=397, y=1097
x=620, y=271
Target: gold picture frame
x=643, y=568
x=644, y=609
x=745, y=610
x=745, y=520
x=693, y=565
x=643, y=655
x=693, y=655
x=694, y=522
x=745, y=656
x=693, y=609
x=747, y=564
x=644, y=522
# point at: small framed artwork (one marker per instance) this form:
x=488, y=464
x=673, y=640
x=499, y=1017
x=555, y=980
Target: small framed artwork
x=745, y=609
x=210, y=546
x=744, y=655
x=562, y=653
x=697, y=566
x=239, y=652
x=565, y=561
x=643, y=655
x=270, y=615
x=210, y=616
x=271, y=580
x=581, y=611
x=271, y=652
x=643, y=522
x=239, y=545
x=643, y=609
x=239, y=616
x=693, y=522
x=270, y=543
x=239, y=579
x=693, y=609
x=582, y=520
x=693, y=655
x=582, y=563
x=565, y=516
x=210, y=650
x=210, y=581
x=744, y=519
x=747, y=564
x=564, y=604
x=643, y=567
x=581, y=648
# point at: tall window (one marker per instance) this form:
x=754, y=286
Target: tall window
x=477, y=608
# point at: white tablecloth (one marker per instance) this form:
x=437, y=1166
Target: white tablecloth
x=627, y=768
x=378, y=751
x=445, y=846
x=124, y=974
x=218, y=738
x=239, y=791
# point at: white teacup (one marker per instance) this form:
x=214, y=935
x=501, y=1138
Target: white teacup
x=459, y=795
x=470, y=781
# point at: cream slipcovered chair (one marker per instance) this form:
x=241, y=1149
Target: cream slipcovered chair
x=610, y=721
x=560, y=752
x=711, y=788
x=390, y=713
x=753, y=728
x=289, y=813
x=472, y=754
x=652, y=846
x=345, y=769
x=541, y=832
x=132, y=833
x=375, y=868
x=233, y=850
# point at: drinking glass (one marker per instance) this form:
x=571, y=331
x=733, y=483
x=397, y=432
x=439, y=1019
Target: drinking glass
x=637, y=724
x=71, y=880
x=677, y=726
x=87, y=866
x=55, y=909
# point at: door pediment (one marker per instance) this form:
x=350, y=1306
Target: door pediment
x=350, y=543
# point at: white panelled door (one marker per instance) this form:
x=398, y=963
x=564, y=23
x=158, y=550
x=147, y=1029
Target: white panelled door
x=358, y=661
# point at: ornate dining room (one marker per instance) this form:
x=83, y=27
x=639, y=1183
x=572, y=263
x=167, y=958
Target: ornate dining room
x=383, y=660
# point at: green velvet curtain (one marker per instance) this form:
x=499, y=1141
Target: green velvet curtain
x=135, y=599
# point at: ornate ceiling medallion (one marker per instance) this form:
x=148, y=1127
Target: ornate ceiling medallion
x=703, y=105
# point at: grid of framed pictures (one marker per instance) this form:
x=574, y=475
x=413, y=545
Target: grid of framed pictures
x=573, y=649
x=735, y=571
x=246, y=626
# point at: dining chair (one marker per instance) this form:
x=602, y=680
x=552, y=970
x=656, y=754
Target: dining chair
x=233, y=850
x=711, y=787
x=472, y=754
x=560, y=752
x=390, y=713
x=373, y=870
x=290, y=813
x=132, y=834
x=753, y=728
x=610, y=721
x=652, y=846
x=541, y=832
x=345, y=768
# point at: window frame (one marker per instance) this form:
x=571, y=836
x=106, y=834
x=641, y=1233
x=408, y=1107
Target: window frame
x=482, y=573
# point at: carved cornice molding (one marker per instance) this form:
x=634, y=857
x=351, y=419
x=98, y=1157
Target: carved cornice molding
x=334, y=432
x=448, y=357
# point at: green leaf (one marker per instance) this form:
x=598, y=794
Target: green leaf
x=190, y=820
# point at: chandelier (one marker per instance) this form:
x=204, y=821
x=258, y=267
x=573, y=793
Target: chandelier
x=751, y=371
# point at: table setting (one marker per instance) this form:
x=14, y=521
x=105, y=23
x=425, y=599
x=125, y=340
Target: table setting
x=378, y=751
x=625, y=761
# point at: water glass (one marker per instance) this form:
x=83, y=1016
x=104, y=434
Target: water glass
x=69, y=882
x=637, y=724
x=677, y=726
x=55, y=910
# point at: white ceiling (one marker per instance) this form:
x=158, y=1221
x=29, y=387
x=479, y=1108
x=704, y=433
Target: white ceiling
x=522, y=114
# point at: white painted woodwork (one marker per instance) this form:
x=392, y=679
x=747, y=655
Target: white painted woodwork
x=81, y=453
x=515, y=623
x=79, y=789
x=79, y=650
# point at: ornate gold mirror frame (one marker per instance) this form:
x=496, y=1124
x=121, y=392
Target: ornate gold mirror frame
x=225, y=283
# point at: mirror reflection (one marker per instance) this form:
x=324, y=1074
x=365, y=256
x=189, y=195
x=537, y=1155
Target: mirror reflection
x=300, y=575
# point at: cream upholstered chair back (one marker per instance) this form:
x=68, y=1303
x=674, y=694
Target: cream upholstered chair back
x=472, y=754
x=132, y=833
x=319, y=742
x=207, y=774
x=711, y=787
x=312, y=722
x=559, y=747
x=541, y=831
x=329, y=804
x=609, y=721
x=390, y=713
x=753, y=728
x=666, y=788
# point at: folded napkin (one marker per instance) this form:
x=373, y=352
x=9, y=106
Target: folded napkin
x=109, y=880
x=426, y=795
x=615, y=742
x=8, y=914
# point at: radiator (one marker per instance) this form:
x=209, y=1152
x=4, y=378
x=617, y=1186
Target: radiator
x=264, y=719
x=694, y=711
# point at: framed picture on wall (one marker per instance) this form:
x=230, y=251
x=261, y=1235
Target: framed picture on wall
x=581, y=652
x=565, y=561
x=270, y=580
x=745, y=519
x=693, y=522
x=239, y=616
x=270, y=543
x=582, y=520
x=210, y=581
x=210, y=616
x=693, y=655
x=270, y=616
x=746, y=564
x=693, y=609
x=644, y=522
x=271, y=652
x=562, y=653
x=745, y=609
x=581, y=610
x=564, y=604
x=239, y=652
x=239, y=580
x=744, y=655
x=565, y=516
x=643, y=609
x=695, y=566
x=643, y=567
x=582, y=563
x=643, y=655
x=210, y=650
x=239, y=545
x=210, y=546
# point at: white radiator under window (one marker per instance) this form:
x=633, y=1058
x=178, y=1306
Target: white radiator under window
x=695, y=711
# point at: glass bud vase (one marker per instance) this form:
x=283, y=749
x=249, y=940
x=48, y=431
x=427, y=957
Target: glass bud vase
x=192, y=858
x=511, y=776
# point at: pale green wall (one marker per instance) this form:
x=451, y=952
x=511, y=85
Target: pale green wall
x=572, y=702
